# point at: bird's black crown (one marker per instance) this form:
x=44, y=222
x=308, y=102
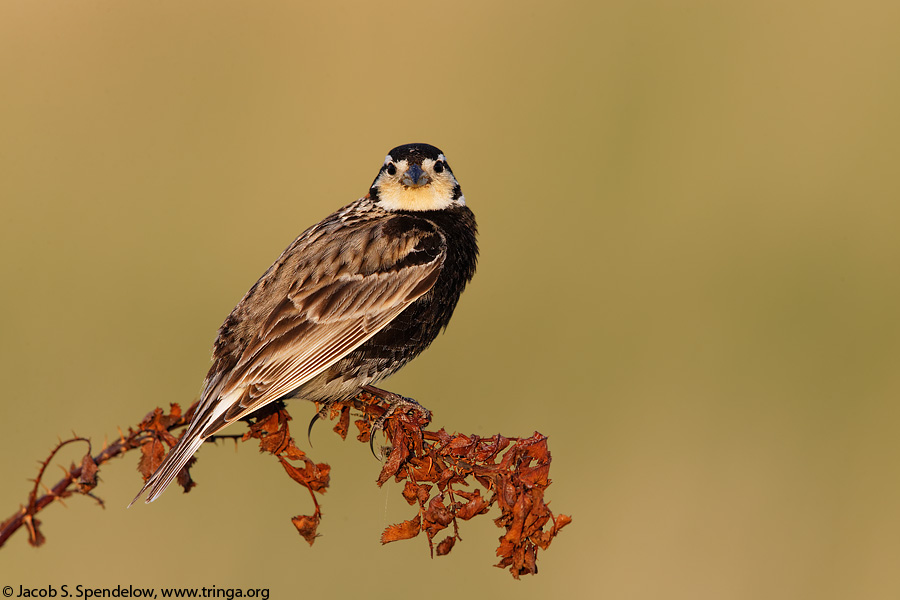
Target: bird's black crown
x=415, y=153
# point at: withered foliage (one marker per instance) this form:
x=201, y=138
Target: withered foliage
x=443, y=476
x=270, y=427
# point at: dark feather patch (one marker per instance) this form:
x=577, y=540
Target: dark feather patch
x=415, y=153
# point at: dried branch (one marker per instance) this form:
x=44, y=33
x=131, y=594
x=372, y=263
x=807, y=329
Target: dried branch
x=434, y=466
x=83, y=478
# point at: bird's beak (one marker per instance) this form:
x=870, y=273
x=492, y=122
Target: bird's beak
x=415, y=177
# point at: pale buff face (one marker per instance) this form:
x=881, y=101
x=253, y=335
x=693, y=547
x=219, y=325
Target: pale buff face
x=432, y=189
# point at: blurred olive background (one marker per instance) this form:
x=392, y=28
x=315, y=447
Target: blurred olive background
x=689, y=228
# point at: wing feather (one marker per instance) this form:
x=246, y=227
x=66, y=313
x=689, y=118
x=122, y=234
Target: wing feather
x=281, y=364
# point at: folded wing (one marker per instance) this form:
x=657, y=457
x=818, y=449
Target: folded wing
x=344, y=290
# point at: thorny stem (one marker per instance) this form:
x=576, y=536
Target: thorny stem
x=25, y=515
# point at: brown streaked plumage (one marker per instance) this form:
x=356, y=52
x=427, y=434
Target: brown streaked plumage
x=349, y=302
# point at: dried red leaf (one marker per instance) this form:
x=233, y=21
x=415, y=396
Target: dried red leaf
x=323, y=478
x=184, y=476
x=536, y=447
x=152, y=453
x=475, y=506
x=160, y=422
x=399, y=453
x=489, y=452
x=422, y=470
x=522, y=561
x=437, y=517
x=88, y=478
x=531, y=476
x=292, y=452
x=365, y=429
x=440, y=436
x=411, y=492
x=459, y=445
x=506, y=494
x=560, y=522
x=313, y=476
x=174, y=414
x=514, y=528
x=446, y=545
x=343, y=424
x=274, y=435
x=401, y=531
x=424, y=493
x=306, y=526
x=438, y=512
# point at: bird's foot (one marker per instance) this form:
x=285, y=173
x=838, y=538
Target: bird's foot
x=396, y=403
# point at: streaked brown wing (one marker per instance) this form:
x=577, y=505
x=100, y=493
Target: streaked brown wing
x=319, y=323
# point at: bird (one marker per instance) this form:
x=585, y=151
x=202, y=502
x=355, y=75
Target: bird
x=350, y=301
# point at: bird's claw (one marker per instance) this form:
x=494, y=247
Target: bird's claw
x=320, y=414
x=397, y=402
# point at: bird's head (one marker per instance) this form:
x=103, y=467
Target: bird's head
x=416, y=177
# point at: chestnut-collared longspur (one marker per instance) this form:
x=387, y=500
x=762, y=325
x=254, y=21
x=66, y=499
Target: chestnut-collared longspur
x=349, y=302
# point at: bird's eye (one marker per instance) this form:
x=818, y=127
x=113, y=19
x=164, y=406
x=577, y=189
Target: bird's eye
x=392, y=170
x=439, y=167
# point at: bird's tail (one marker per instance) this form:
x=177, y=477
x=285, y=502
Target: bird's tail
x=173, y=463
